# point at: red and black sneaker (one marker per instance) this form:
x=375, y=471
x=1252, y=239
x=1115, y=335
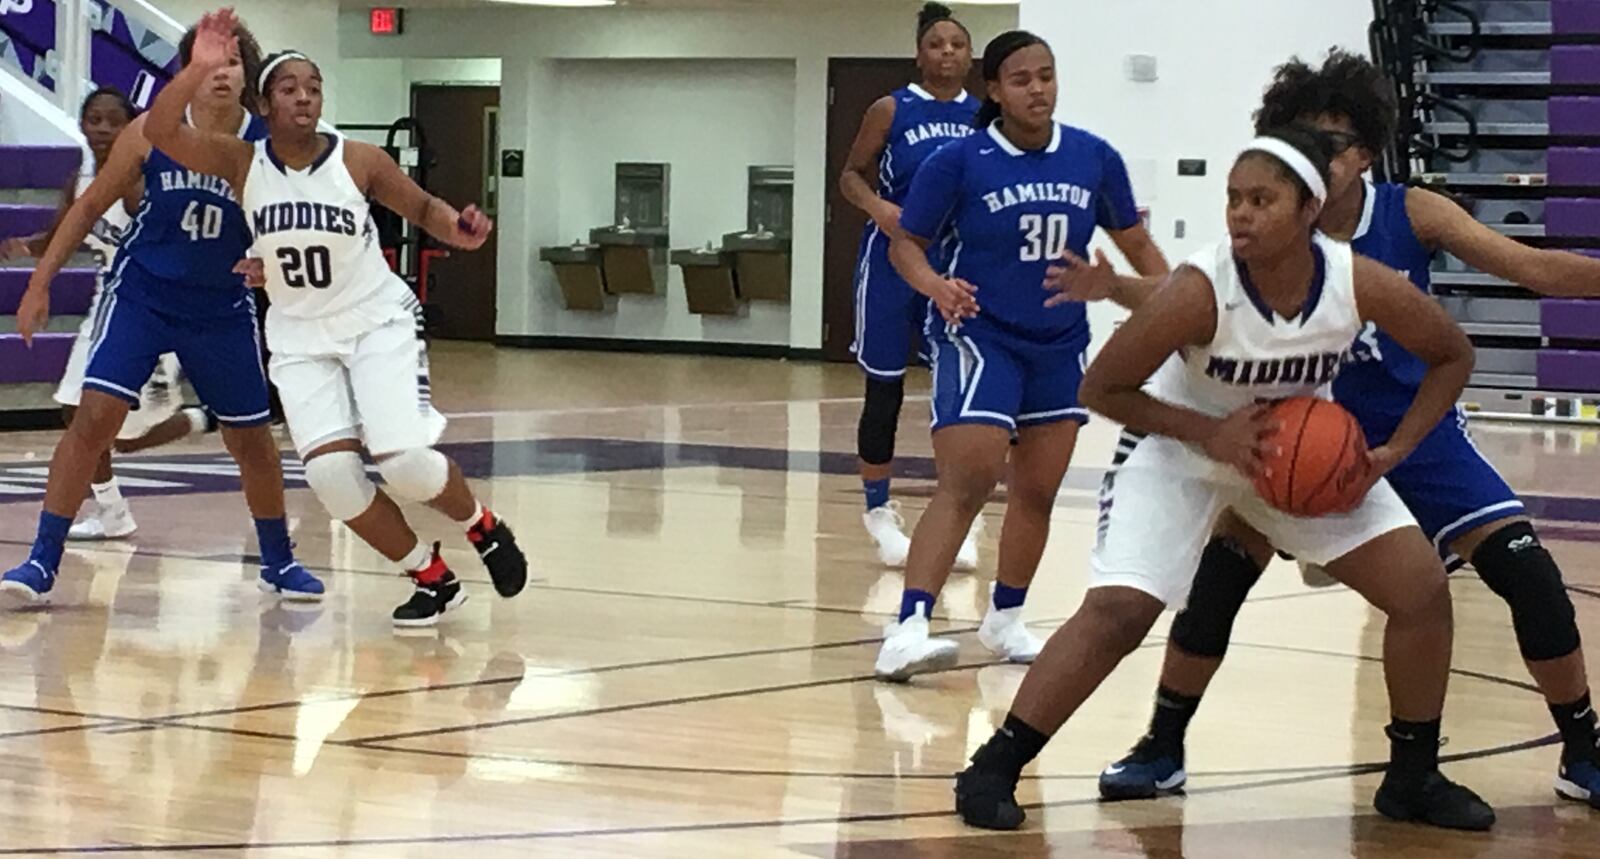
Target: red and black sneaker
x=437, y=592
x=497, y=546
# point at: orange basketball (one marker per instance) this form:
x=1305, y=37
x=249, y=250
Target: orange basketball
x=1315, y=460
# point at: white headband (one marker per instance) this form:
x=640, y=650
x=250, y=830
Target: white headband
x=261, y=80
x=1297, y=162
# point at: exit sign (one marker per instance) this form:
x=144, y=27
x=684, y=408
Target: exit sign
x=387, y=21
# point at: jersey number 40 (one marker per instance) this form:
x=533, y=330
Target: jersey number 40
x=1044, y=236
x=312, y=267
x=202, y=221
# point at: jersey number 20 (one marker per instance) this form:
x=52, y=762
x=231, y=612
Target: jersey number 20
x=313, y=267
x=1044, y=237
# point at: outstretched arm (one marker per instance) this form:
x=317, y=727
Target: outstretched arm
x=214, y=154
x=1441, y=223
x=379, y=177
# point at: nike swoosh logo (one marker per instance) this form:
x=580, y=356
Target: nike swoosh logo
x=1585, y=714
x=986, y=151
x=490, y=551
x=1233, y=305
x=1114, y=769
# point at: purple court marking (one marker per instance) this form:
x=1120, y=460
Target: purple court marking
x=1574, y=17
x=1574, y=165
x=1574, y=115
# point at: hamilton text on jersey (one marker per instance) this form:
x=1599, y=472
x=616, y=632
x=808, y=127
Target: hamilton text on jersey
x=1314, y=369
x=936, y=130
x=322, y=217
x=189, y=180
x=1034, y=192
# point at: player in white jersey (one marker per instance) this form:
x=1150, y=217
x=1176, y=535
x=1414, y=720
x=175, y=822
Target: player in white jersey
x=1285, y=302
x=342, y=328
x=156, y=421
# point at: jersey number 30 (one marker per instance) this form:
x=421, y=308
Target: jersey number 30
x=202, y=221
x=1044, y=237
x=313, y=267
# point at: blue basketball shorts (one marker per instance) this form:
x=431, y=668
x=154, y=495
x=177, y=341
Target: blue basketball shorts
x=220, y=355
x=983, y=377
x=1451, y=488
x=889, y=313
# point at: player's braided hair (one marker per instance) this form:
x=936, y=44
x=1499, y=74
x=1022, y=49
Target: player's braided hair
x=1347, y=85
x=999, y=49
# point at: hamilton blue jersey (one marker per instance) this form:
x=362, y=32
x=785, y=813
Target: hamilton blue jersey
x=1382, y=378
x=922, y=124
x=1010, y=214
x=189, y=233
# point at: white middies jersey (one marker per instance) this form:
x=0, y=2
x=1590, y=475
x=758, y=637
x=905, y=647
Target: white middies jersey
x=106, y=234
x=326, y=275
x=1257, y=355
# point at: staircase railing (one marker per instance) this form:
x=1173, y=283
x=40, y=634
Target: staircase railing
x=68, y=47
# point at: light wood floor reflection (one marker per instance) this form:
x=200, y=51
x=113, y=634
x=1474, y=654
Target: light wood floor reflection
x=689, y=674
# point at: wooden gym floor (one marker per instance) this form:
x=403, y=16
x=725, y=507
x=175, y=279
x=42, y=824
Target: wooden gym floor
x=690, y=673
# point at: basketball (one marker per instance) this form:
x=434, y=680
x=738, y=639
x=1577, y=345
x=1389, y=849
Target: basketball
x=1315, y=458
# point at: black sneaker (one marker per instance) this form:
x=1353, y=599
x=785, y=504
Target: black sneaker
x=1147, y=772
x=988, y=800
x=428, y=602
x=1435, y=800
x=497, y=546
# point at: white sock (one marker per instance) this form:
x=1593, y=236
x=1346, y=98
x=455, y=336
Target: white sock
x=197, y=420
x=108, y=495
x=477, y=514
x=418, y=558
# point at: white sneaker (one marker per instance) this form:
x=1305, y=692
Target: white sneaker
x=967, y=557
x=888, y=530
x=908, y=650
x=104, y=524
x=1004, y=633
x=1316, y=577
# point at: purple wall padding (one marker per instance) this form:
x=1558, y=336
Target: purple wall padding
x=1567, y=216
x=46, y=167
x=69, y=295
x=43, y=363
x=1569, y=319
x=1573, y=165
x=1574, y=17
x=1575, y=64
x=1574, y=114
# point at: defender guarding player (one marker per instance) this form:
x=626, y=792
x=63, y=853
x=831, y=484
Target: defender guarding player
x=342, y=327
x=1006, y=369
x=1462, y=503
x=173, y=289
x=1288, y=300
x=897, y=134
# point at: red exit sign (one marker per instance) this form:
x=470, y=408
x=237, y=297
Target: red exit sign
x=387, y=21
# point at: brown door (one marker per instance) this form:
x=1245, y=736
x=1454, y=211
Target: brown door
x=853, y=85
x=462, y=127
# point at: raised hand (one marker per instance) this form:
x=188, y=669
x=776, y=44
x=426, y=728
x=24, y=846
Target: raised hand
x=214, y=41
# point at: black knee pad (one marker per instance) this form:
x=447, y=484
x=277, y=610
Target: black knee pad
x=879, y=417
x=1514, y=565
x=1224, y=579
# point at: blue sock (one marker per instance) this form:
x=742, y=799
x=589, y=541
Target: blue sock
x=51, y=540
x=877, y=492
x=1006, y=596
x=913, y=601
x=276, y=550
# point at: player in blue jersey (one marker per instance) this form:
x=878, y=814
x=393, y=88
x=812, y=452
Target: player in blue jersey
x=1010, y=199
x=897, y=134
x=173, y=289
x=1462, y=503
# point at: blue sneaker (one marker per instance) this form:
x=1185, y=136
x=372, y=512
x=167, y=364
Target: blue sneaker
x=292, y=582
x=1144, y=774
x=31, y=581
x=1580, y=782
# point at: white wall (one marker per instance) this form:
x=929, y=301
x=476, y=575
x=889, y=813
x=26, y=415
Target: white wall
x=378, y=90
x=1216, y=57
x=532, y=42
x=309, y=26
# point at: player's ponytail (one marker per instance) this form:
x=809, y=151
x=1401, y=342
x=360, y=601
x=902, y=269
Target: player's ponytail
x=999, y=49
x=933, y=13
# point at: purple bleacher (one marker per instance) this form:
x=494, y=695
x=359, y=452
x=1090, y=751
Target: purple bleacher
x=1574, y=114
x=46, y=167
x=1575, y=64
x=1567, y=216
x=1574, y=165
x=42, y=363
x=23, y=220
x=1574, y=17
x=1569, y=319
x=1569, y=370
x=69, y=295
